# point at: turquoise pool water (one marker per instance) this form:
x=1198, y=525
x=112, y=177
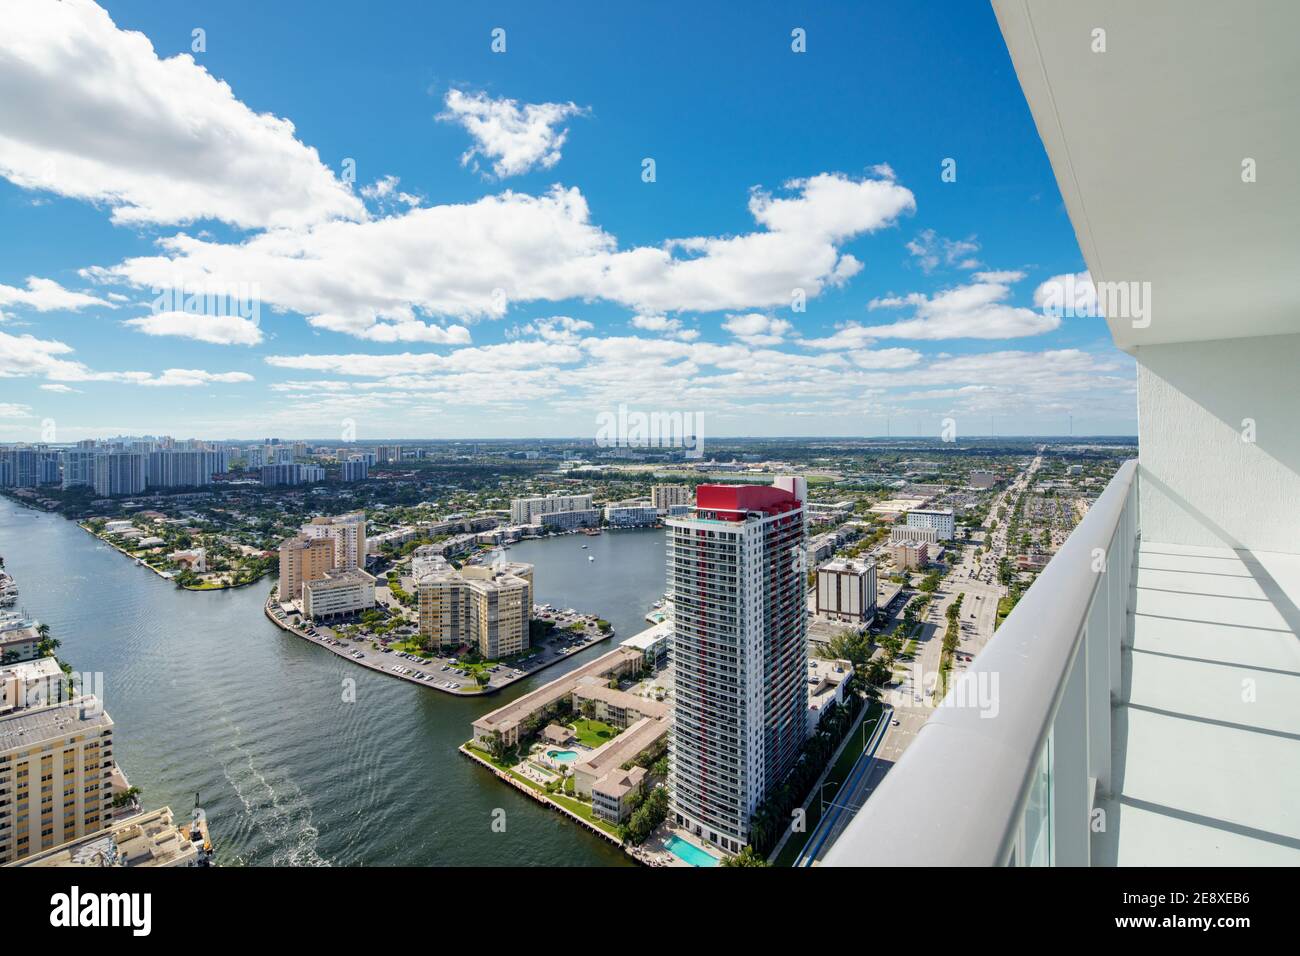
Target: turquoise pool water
x=689, y=852
x=562, y=756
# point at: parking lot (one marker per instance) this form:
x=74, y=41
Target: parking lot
x=446, y=672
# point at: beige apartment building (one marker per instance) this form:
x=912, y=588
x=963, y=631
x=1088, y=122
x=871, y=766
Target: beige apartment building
x=664, y=497
x=488, y=607
x=303, y=559
x=56, y=764
x=910, y=555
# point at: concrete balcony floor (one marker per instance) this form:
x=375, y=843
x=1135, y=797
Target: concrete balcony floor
x=1206, y=745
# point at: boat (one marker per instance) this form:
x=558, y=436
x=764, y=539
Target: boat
x=584, y=547
x=591, y=557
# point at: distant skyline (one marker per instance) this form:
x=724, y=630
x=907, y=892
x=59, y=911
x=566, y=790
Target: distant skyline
x=435, y=223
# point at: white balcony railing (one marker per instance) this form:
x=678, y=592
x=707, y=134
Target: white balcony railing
x=1008, y=769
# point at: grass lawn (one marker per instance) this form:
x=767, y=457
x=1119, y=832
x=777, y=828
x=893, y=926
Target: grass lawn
x=571, y=804
x=412, y=646
x=848, y=757
x=593, y=733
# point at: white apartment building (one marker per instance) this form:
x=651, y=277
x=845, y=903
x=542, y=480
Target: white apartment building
x=940, y=519
x=153, y=839
x=348, y=533
x=530, y=510
x=78, y=467
x=120, y=473
x=631, y=514
x=740, y=650
x=846, y=591
x=339, y=592
x=570, y=520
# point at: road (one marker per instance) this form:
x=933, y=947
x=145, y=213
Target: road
x=913, y=698
x=849, y=798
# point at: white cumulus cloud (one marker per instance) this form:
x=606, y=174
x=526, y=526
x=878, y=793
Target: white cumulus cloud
x=46, y=295
x=514, y=138
x=217, y=329
x=90, y=111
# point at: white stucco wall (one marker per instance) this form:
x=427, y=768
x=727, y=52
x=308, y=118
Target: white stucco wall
x=1201, y=483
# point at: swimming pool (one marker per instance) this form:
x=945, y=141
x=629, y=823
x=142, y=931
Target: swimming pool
x=689, y=852
x=562, y=756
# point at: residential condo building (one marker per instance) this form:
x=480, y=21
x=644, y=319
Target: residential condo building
x=121, y=473
x=664, y=497
x=940, y=519
x=339, y=592
x=530, y=510
x=488, y=607
x=348, y=532
x=740, y=653
x=56, y=765
x=303, y=559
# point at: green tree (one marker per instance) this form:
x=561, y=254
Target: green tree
x=746, y=857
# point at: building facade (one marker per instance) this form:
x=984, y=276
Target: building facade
x=570, y=520
x=940, y=519
x=338, y=593
x=846, y=591
x=348, y=532
x=631, y=514
x=904, y=532
x=664, y=497
x=910, y=555
x=303, y=559
x=740, y=653
x=56, y=765
x=120, y=473
x=530, y=510
x=487, y=607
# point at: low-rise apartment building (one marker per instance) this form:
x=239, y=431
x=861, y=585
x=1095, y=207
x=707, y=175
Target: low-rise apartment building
x=152, y=839
x=631, y=514
x=530, y=510
x=570, y=520
x=19, y=641
x=915, y=533
x=533, y=708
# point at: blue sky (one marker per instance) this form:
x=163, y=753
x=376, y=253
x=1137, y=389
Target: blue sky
x=499, y=267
